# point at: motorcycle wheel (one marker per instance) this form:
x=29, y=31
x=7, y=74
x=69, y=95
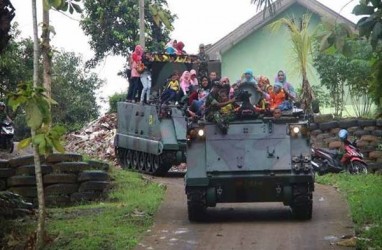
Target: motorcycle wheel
x=358, y=168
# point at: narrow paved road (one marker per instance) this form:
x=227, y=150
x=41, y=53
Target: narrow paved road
x=248, y=226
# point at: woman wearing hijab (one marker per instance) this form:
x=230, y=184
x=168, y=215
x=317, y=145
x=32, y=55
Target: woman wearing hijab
x=179, y=48
x=248, y=77
x=135, y=81
x=288, y=88
x=185, y=82
x=193, y=79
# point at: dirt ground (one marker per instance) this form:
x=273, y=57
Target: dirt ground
x=248, y=226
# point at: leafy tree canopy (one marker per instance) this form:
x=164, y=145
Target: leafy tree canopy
x=113, y=26
x=371, y=24
x=74, y=90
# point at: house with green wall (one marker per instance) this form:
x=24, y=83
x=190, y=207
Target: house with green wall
x=253, y=44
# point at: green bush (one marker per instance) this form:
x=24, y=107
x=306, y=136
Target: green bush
x=363, y=194
x=117, y=97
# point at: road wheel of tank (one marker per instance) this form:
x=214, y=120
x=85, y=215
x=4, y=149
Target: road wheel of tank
x=128, y=158
x=120, y=153
x=142, y=161
x=156, y=163
x=135, y=160
x=302, y=205
x=196, y=205
x=149, y=163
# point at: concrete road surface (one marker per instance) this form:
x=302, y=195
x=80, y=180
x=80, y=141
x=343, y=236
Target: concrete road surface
x=248, y=226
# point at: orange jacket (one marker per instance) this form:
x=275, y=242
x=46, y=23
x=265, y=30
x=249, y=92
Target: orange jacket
x=277, y=99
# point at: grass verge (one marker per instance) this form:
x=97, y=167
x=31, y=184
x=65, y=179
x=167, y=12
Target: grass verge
x=117, y=223
x=363, y=193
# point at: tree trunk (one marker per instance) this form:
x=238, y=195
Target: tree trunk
x=307, y=94
x=46, y=53
x=40, y=191
x=142, y=23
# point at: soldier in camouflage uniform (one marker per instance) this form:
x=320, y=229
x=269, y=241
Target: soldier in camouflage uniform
x=203, y=59
x=220, y=109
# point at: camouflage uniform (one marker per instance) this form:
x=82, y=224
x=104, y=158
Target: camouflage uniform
x=216, y=115
x=203, y=65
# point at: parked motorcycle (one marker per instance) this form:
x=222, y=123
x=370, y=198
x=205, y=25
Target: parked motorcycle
x=7, y=131
x=331, y=161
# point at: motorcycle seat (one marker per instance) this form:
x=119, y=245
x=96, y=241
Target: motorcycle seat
x=329, y=151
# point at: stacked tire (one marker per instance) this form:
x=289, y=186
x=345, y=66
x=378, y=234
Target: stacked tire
x=67, y=179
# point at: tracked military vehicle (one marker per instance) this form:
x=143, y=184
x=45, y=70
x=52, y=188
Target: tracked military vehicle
x=151, y=138
x=258, y=159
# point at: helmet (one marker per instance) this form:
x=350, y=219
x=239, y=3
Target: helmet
x=2, y=104
x=343, y=134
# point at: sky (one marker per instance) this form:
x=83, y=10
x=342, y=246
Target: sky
x=199, y=21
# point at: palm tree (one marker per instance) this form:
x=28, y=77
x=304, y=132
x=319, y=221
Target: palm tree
x=302, y=41
x=269, y=5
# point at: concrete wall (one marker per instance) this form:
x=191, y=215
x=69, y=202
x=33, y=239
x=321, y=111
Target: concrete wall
x=266, y=52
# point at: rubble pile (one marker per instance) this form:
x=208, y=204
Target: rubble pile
x=96, y=139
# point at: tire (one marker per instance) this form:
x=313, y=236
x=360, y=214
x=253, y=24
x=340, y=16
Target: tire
x=375, y=166
x=68, y=157
x=4, y=163
x=3, y=185
x=60, y=189
x=70, y=167
x=347, y=123
x=361, y=133
x=328, y=125
x=93, y=175
x=98, y=165
x=86, y=196
x=94, y=186
x=302, y=204
x=358, y=167
x=59, y=178
x=25, y=191
x=377, y=133
x=303, y=210
x=366, y=123
x=18, y=180
x=57, y=200
x=378, y=122
x=196, y=205
x=7, y=172
x=19, y=161
x=313, y=126
x=30, y=170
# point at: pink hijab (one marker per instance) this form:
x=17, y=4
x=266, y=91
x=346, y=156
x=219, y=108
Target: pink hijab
x=137, y=54
x=185, y=81
x=195, y=80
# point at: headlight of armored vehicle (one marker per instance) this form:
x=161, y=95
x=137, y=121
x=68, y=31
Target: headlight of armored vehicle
x=201, y=132
x=296, y=130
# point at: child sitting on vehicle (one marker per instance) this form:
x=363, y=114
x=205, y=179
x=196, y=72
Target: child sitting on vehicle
x=172, y=89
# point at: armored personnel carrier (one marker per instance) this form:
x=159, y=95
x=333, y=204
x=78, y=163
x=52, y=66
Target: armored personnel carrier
x=151, y=138
x=258, y=159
